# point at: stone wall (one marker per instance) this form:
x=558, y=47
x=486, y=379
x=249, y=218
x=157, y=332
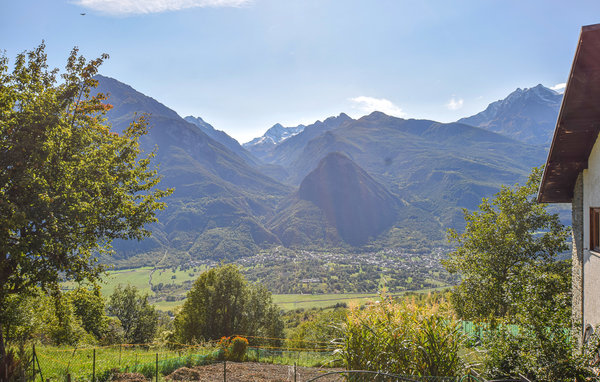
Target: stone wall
x=577, y=258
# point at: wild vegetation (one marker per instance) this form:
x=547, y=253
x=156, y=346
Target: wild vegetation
x=69, y=186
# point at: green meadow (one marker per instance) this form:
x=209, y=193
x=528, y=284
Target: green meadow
x=178, y=282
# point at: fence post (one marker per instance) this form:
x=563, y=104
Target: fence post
x=94, y=367
x=68, y=377
x=156, y=367
x=294, y=371
x=37, y=360
x=224, y=371
x=33, y=360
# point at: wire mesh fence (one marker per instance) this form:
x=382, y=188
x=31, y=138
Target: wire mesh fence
x=199, y=363
x=155, y=361
x=102, y=363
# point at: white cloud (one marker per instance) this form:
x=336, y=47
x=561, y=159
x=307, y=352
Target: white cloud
x=559, y=87
x=455, y=104
x=367, y=105
x=130, y=7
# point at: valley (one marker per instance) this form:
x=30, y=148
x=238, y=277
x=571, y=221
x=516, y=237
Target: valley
x=339, y=206
x=299, y=279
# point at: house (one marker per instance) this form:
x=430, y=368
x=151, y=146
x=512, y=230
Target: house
x=572, y=175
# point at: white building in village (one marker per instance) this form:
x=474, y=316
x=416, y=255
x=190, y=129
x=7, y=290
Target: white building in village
x=572, y=175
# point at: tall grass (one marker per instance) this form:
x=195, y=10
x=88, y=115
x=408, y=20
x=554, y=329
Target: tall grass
x=403, y=338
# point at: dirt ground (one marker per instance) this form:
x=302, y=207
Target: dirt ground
x=251, y=372
x=129, y=377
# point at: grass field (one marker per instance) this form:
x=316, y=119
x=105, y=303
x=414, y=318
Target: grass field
x=139, y=277
x=308, y=301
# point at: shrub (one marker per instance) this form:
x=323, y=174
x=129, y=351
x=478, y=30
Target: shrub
x=317, y=330
x=537, y=352
x=233, y=349
x=402, y=338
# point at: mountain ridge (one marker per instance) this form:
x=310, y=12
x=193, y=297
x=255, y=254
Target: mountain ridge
x=528, y=115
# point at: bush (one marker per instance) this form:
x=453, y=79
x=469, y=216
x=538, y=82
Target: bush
x=402, y=338
x=317, y=330
x=536, y=352
x=233, y=349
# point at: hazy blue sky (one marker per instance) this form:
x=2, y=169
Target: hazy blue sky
x=243, y=65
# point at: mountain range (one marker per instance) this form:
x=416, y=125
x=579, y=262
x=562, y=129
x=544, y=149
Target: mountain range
x=528, y=115
x=352, y=184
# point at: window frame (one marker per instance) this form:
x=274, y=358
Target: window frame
x=594, y=229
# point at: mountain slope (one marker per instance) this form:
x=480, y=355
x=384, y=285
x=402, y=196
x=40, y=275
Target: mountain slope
x=286, y=151
x=441, y=168
x=219, y=200
x=527, y=115
x=223, y=138
x=349, y=200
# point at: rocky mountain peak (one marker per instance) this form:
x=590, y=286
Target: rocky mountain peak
x=528, y=115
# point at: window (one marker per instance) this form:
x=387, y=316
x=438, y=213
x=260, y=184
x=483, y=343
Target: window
x=595, y=229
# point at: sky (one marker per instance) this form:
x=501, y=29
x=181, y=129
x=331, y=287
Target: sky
x=244, y=65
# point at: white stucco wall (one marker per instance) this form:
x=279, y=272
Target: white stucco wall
x=591, y=260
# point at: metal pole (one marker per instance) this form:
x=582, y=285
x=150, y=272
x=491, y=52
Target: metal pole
x=94, y=367
x=156, y=367
x=120, y=351
x=37, y=360
x=224, y=371
x=33, y=360
x=294, y=371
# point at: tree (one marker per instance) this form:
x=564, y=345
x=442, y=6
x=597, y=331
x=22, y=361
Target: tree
x=88, y=306
x=508, y=240
x=59, y=324
x=507, y=257
x=68, y=185
x=221, y=303
x=138, y=318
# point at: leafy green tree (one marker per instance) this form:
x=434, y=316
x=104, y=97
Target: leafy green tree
x=59, y=323
x=139, y=319
x=88, y=306
x=20, y=313
x=68, y=185
x=221, y=303
x=507, y=240
x=507, y=257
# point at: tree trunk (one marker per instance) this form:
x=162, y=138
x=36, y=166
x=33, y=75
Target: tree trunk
x=2, y=346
